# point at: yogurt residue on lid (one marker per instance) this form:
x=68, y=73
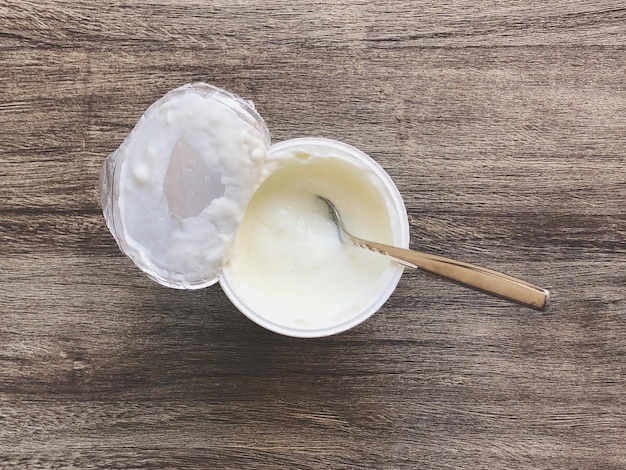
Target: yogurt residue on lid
x=175, y=191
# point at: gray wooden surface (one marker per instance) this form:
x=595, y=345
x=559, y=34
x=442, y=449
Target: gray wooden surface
x=504, y=127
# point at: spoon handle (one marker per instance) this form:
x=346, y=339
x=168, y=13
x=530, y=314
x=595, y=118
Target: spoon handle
x=469, y=275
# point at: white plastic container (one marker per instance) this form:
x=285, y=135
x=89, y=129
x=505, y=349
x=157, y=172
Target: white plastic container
x=186, y=239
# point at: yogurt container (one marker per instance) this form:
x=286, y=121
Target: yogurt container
x=196, y=195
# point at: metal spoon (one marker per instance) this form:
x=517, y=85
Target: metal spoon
x=469, y=275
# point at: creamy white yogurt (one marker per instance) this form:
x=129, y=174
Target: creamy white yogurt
x=193, y=195
x=288, y=270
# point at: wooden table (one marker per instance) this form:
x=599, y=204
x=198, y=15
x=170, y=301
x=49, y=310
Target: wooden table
x=503, y=125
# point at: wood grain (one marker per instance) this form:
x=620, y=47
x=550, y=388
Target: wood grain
x=504, y=127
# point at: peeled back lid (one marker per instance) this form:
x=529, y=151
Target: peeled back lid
x=174, y=193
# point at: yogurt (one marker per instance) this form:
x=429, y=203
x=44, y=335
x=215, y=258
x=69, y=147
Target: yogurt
x=288, y=269
x=196, y=195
